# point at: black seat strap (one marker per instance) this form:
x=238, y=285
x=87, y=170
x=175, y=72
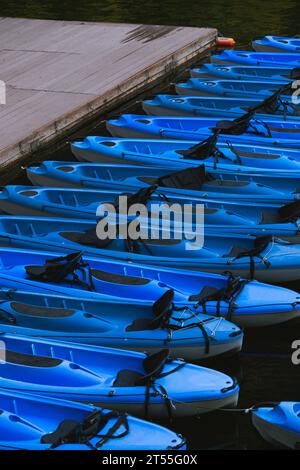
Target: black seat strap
x=237, y=126
x=153, y=366
x=142, y=196
x=260, y=244
x=205, y=149
x=271, y=104
x=57, y=270
x=74, y=432
x=229, y=294
x=190, y=178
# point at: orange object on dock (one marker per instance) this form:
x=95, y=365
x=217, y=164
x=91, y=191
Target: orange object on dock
x=225, y=42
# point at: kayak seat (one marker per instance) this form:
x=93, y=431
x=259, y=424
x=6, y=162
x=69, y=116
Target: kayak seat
x=35, y=271
x=288, y=213
x=63, y=269
x=142, y=196
x=127, y=378
x=162, y=310
x=86, y=238
x=70, y=431
x=235, y=252
x=142, y=324
x=229, y=293
x=205, y=293
x=236, y=127
x=34, y=311
x=190, y=178
x=259, y=246
x=201, y=151
x=119, y=278
x=31, y=360
x=152, y=365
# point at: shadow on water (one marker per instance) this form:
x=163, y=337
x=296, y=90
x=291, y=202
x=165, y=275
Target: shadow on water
x=264, y=369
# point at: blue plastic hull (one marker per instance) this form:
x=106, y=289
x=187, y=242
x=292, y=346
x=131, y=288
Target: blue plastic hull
x=277, y=44
x=279, y=424
x=236, y=72
x=92, y=375
x=132, y=178
x=230, y=88
x=264, y=59
x=167, y=154
x=25, y=418
x=220, y=107
x=169, y=127
x=117, y=324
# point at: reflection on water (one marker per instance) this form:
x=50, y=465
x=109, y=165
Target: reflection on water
x=264, y=369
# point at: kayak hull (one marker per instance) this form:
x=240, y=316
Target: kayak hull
x=278, y=424
x=233, y=57
x=223, y=108
x=25, y=418
x=169, y=127
x=165, y=153
x=212, y=71
x=94, y=375
x=277, y=44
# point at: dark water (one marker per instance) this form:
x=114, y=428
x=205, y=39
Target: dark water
x=242, y=19
x=264, y=369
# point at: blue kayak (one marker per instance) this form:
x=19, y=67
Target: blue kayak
x=191, y=182
x=264, y=59
x=220, y=107
x=174, y=154
x=236, y=72
x=266, y=258
x=169, y=127
x=230, y=88
x=279, y=424
x=110, y=279
x=245, y=126
x=32, y=422
x=277, y=44
x=112, y=378
x=277, y=217
x=139, y=326
x=248, y=304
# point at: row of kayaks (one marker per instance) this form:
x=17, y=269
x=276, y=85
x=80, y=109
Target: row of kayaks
x=91, y=328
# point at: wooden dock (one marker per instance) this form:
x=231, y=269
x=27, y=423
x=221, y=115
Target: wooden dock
x=59, y=74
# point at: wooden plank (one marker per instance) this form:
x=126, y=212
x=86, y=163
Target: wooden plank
x=58, y=73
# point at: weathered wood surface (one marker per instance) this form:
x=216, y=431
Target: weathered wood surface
x=57, y=73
